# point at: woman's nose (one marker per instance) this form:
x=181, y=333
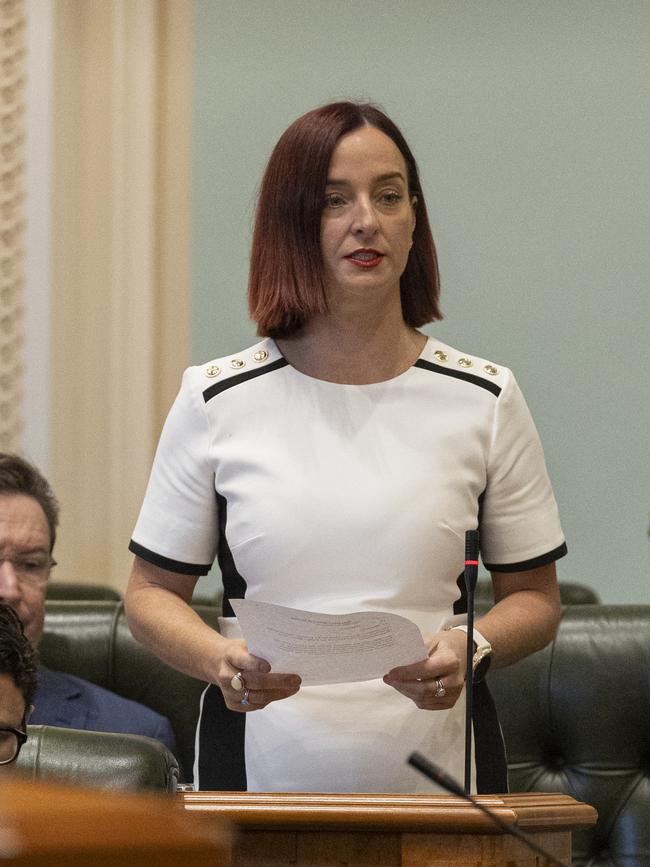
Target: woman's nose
x=364, y=218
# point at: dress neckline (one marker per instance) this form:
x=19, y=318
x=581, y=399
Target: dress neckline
x=355, y=385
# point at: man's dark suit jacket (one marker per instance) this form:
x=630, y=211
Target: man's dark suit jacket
x=70, y=702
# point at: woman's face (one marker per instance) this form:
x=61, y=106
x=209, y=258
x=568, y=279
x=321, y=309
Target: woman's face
x=368, y=216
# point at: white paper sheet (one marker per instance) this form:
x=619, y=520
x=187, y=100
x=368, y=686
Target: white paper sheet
x=328, y=648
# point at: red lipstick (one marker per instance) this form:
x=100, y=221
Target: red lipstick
x=365, y=257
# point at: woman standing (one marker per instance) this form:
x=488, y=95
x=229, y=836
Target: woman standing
x=335, y=466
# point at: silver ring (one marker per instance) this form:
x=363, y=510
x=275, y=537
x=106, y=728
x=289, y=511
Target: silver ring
x=440, y=692
x=244, y=699
x=237, y=682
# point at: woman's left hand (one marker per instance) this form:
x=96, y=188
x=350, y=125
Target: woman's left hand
x=444, y=666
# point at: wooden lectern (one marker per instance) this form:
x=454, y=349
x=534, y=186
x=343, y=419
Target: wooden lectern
x=314, y=830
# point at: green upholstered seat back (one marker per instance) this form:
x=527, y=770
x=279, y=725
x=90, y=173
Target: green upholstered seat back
x=576, y=719
x=68, y=590
x=98, y=759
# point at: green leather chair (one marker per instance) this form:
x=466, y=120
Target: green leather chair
x=88, y=592
x=576, y=719
x=92, y=640
x=98, y=760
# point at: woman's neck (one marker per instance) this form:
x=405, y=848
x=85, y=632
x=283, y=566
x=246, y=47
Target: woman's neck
x=357, y=351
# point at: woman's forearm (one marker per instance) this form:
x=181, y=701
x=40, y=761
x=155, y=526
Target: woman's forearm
x=160, y=617
x=526, y=615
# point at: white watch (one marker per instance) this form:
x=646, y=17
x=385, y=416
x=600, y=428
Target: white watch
x=482, y=654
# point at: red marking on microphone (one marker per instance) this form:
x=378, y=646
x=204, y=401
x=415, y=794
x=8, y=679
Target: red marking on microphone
x=471, y=562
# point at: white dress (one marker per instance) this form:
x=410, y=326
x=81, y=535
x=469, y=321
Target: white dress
x=339, y=498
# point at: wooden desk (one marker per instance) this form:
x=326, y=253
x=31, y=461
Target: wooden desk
x=314, y=830
x=43, y=825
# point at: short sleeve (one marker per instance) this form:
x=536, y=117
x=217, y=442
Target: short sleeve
x=177, y=527
x=519, y=520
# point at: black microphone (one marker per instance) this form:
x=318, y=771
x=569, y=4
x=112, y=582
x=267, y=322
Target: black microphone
x=447, y=782
x=471, y=576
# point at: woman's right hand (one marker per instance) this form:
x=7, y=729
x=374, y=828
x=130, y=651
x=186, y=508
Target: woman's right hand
x=260, y=687
x=157, y=597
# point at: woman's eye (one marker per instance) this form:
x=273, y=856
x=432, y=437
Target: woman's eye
x=333, y=200
x=391, y=198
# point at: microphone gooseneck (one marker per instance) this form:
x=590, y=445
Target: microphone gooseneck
x=471, y=576
x=447, y=782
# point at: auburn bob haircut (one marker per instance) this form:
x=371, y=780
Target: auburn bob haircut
x=286, y=286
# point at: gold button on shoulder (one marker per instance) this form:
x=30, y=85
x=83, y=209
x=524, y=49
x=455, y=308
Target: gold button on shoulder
x=440, y=355
x=465, y=362
x=237, y=363
x=212, y=370
x=491, y=369
x=260, y=355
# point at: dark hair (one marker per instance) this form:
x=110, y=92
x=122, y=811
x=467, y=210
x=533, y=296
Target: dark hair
x=286, y=285
x=18, y=476
x=17, y=657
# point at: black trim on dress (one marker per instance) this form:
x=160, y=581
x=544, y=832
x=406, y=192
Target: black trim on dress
x=218, y=387
x=221, y=734
x=479, y=517
x=221, y=731
x=489, y=747
x=460, y=605
x=167, y=562
x=459, y=374
x=534, y=563
x=234, y=585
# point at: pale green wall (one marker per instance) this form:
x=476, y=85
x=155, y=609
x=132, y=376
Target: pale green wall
x=531, y=124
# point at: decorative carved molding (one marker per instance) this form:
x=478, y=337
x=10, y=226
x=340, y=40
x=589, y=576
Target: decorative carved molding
x=12, y=222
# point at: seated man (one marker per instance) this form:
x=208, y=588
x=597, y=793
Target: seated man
x=17, y=684
x=28, y=521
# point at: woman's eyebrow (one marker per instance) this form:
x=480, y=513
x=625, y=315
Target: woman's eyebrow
x=389, y=176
